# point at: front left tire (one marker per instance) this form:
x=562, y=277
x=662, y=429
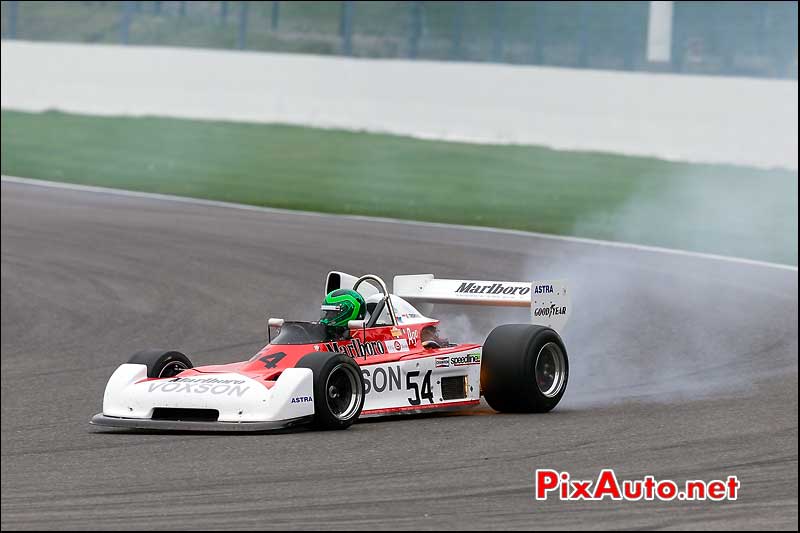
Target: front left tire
x=338, y=389
x=161, y=364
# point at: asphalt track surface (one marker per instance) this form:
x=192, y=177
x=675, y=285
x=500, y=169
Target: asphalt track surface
x=682, y=368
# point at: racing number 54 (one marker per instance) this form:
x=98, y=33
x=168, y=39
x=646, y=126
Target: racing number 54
x=425, y=394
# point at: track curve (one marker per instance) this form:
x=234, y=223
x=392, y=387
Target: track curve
x=682, y=368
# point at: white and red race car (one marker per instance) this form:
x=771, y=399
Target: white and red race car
x=392, y=362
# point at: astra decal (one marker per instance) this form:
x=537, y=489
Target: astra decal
x=302, y=399
x=493, y=288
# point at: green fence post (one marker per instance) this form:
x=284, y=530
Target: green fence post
x=537, y=56
x=243, y=24
x=276, y=11
x=678, y=50
x=125, y=21
x=416, y=29
x=458, y=30
x=583, y=34
x=629, y=30
x=11, y=33
x=346, y=27
x=498, y=31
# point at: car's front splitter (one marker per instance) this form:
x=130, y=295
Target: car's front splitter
x=183, y=425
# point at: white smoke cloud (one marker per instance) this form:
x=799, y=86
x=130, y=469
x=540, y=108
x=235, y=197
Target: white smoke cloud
x=647, y=326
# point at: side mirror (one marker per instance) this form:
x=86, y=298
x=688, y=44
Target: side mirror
x=356, y=324
x=273, y=323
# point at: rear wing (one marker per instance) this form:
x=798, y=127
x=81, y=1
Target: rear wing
x=548, y=301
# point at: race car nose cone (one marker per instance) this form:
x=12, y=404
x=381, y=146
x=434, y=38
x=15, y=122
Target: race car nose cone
x=234, y=398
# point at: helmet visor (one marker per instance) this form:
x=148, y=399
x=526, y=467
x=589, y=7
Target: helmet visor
x=330, y=313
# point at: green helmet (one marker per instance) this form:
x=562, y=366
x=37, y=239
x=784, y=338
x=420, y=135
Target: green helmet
x=341, y=306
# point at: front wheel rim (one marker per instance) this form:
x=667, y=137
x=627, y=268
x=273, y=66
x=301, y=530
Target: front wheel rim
x=550, y=370
x=343, y=392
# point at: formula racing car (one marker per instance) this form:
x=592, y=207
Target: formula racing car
x=372, y=353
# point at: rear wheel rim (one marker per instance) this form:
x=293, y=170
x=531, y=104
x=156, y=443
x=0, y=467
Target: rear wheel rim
x=342, y=391
x=550, y=370
x=173, y=368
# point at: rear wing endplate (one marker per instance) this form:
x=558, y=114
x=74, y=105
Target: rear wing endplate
x=548, y=301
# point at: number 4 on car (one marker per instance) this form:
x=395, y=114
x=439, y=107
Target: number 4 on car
x=371, y=353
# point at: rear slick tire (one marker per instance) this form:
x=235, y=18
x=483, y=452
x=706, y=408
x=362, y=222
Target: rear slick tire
x=524, y=369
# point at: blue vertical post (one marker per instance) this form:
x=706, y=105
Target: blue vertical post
x=346, y=27
x=157, y=8
x=416, y=29
x=498, y=31
x=243, y=6
x=182, y=9
x=276, y=12
x=458, y=31
x=11, y=33
x=125, y=21
x=223, y=12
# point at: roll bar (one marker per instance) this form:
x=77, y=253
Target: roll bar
x=385, y=302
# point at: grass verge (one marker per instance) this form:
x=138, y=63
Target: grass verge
x=720, y=209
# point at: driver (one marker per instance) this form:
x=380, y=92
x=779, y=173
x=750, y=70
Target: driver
x=341, y=306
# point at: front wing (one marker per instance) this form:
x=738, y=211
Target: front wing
x=226, y=401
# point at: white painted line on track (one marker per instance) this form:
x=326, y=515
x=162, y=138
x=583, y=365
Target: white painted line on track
x=521, y=233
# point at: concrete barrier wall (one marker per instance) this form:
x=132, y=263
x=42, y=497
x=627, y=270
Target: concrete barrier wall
x=690, y=118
